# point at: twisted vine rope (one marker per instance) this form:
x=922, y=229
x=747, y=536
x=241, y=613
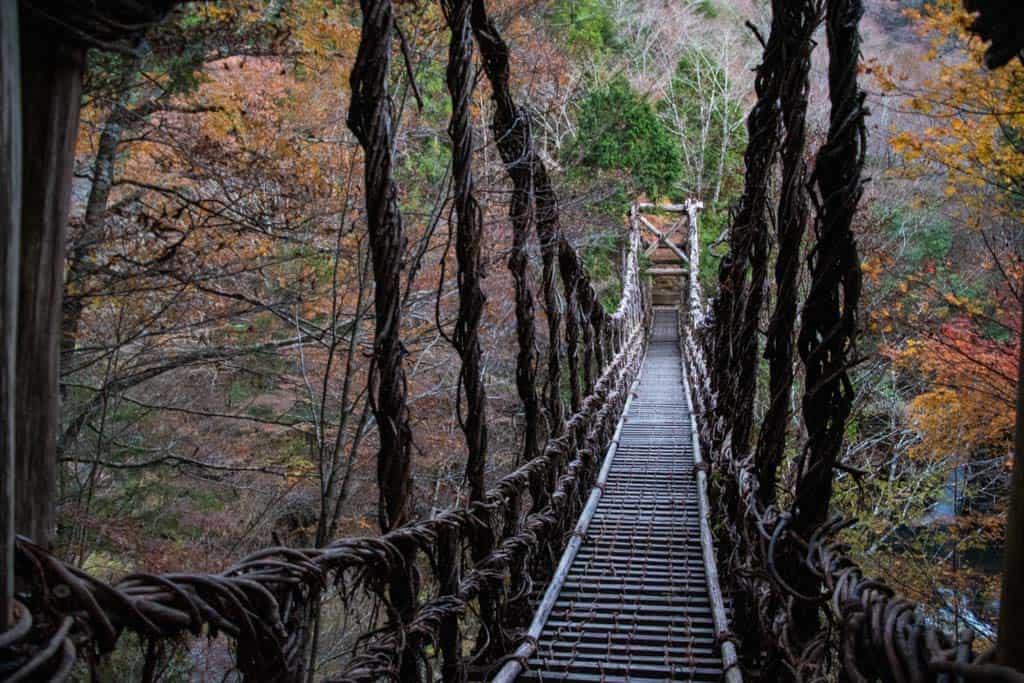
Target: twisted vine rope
x=800, y=19
x=259, y=601
x=370, y=117
x=467, y=327
x=740, y=292
x=816, y=612
x=263, y=603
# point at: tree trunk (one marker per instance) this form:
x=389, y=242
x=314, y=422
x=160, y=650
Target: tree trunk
x=1011, y=599
x=51, y=91
x=91, y=237
x=10, y=229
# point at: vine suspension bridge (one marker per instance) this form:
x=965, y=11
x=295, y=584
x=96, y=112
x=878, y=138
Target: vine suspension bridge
x=594, y=560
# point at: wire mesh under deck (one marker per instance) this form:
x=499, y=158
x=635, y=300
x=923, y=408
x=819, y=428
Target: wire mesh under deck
x=635, y=605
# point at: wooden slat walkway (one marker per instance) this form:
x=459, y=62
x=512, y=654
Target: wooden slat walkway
x=635, y=604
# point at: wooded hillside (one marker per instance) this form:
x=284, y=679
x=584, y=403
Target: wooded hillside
x=217, y=386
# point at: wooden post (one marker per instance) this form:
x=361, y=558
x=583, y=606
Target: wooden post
x=51, y=78
x=10, y=231
x=1011, y=600
x=693, y=303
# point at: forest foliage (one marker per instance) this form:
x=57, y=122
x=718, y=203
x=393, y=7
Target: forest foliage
x=217, y=290
x=944, y=266
x=217, y=308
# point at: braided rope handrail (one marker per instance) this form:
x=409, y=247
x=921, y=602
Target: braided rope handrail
x=871, y=632
x=258, y=602
x=879, y=634
x=254, y=601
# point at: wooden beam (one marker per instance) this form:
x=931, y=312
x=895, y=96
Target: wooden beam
x=10, y=239
x=694, y=300
x=671, y=208
x=650, y=227
x=662, y=240
x=730, y=659
x=51, y=84
x=679, y=272
x=675, y=226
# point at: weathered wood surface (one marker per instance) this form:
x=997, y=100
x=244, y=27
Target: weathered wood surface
x=51, y=77
x=668, y=247
x=10, y=222
x=635, y=603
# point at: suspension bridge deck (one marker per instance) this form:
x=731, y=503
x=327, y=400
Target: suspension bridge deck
x=635, y=603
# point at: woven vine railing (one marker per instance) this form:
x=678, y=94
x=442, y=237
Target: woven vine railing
x=803, y=609
x=446, y=592
x=868, y=632
x=260, y=603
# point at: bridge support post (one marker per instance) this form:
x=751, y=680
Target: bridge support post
x=448, y=571
x=1011, y=603
x=51, y=78
x=10, y=238
x=693, y=303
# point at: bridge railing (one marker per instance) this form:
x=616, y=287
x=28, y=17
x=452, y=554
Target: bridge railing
x=866, y=631
x=263, y=602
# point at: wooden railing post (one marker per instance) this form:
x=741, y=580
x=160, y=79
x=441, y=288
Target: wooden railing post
x=51, y=79
x=694, y=305
x=10, y=238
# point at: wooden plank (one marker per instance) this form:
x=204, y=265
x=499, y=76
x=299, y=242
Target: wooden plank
x=642, y=650
x=609, y=611
x=629, y=656
x=730, y=657
x=588, y=678
x=575, y=630
x=635, y=603
x=633, y=585
x=677, y=673
x=671, y=208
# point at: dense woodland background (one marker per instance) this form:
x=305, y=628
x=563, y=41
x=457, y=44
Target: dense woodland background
x=218, y=304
